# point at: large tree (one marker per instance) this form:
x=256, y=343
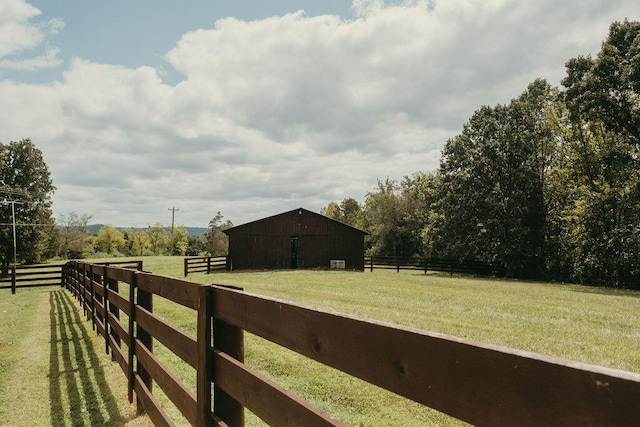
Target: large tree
x=607, y=89
x=491, y=205
x=603, y=211
x=25, y=189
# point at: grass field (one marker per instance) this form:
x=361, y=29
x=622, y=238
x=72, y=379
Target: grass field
x=42, y=379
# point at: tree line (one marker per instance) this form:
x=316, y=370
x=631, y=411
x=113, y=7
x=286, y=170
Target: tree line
x=547, y=186
x=75, y=241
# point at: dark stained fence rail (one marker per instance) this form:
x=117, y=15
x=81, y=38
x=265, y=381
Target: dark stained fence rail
x=205, y=264
x=478, y=383
x=28, y=276
x=471, y=267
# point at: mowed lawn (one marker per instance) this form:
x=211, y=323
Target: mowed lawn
x=591, y=325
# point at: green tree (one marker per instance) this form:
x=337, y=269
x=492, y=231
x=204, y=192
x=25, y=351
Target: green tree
x=386, y=219
x=420, y=192
x=25, y=186
x=196, y=246
x=109, y=240
x=491, y=204
x=349, y=212
x=607, y=89
x=178, y=241
x=602, y=232
x=137, y=242
x=74, y=235
x=158, y=239
x=333, y=211
x=217, y=241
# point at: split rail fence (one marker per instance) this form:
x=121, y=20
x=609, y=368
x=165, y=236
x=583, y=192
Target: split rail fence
x=478, y=383
x=204, y=264
x=476, y=268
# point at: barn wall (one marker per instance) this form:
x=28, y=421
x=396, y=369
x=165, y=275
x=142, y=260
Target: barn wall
x=266, y=243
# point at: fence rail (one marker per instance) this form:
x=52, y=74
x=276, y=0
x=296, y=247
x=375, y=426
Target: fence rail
x=478, y=383
x=204, y=264
x=29, y=276
x=477, y=268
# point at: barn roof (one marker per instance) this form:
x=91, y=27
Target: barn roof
x=300, y=210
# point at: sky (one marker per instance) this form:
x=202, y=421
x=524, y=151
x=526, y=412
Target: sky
x=253, y=108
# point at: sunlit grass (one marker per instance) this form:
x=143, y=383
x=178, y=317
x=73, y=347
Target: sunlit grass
x=53, y=368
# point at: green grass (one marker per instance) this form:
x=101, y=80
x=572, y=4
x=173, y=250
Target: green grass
x=591, y=325
x=53, y=368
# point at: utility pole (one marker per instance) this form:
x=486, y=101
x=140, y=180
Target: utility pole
x=173, y=217
x=15, y=250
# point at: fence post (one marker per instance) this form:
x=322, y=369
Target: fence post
x=204, y=368
x=13, y=279
x=93, y=298
x=113, y=309
x=230, y=340
x=397, y=265
x=186, y=267
x=208, y=264
x=145, y=300
x=426, y=264
x=84, y=291
x=105, y=301
x=132, y=338
x=371, y=261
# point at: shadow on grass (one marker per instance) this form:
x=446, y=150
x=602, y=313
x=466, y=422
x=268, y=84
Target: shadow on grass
x=78, y=390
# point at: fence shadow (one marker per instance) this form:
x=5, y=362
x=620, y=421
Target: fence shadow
x=78, y=390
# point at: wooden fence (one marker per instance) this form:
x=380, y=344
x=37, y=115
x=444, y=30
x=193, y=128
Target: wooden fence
x=29, y=276
x=476, y=268
x=26, y=276
x=204, y=264
x=478, y=383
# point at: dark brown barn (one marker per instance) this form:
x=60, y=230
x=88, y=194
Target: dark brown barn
x=295, y=239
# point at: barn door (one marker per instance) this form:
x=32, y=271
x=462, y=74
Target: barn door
x=294, y=252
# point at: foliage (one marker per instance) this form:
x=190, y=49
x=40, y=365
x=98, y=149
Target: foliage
x=217, y=241
x=137, y=242
x=25, y=180
x=178, y=241
x=491, y=200
x=74, y=235
x=607, y=89
x=157, y=236
x=196, y=246
x=348, y=212
x=109, y=240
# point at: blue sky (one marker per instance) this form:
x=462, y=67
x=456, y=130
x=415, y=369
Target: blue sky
x=137, y=33
x=253, y=108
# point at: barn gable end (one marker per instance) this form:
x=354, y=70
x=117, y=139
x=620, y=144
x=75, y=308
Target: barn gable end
x=294, y=239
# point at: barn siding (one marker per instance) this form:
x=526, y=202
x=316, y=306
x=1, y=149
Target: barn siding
x=266, y=243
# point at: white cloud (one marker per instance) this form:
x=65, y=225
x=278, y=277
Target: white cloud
x=292, y=110
x=48, y=60
x=18, y=34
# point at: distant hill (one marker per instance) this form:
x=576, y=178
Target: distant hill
x=193, y=231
